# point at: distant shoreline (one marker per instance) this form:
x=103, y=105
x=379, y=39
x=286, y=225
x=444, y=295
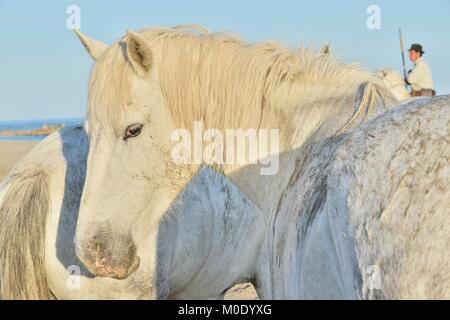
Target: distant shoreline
x=34, y=129
x=11, y=152
x=45, y=130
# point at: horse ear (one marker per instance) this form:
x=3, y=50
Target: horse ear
x=326, y=49
x=94, y=48
x=139, y=53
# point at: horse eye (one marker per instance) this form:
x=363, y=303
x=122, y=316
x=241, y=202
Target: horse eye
x=133, y=131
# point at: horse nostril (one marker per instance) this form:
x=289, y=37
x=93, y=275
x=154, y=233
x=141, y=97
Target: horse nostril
x=123, y=273
x=110, y=257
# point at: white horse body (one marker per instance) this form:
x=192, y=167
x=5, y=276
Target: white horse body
x=399, y=217
x=373, y=223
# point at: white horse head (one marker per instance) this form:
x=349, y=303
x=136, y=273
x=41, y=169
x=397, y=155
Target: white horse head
x=127, y=124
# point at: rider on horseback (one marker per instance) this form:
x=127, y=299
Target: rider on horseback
x=419, y=78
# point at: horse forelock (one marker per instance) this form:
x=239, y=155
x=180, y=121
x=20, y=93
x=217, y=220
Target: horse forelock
x=110, y=88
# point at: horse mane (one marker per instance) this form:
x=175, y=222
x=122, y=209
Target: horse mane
x=23, y=215
x=224, y=81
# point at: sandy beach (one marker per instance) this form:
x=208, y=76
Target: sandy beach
x=11, y=151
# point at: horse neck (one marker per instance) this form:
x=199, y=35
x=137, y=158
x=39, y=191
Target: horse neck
x=216, y=237
x=300, y=169
x=314, y=116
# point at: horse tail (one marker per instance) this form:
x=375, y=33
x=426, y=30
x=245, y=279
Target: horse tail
x=23, y=216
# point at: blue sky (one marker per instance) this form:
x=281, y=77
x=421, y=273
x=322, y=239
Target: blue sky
x=44, y=70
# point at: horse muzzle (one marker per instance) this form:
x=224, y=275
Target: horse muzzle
x=109, y=256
